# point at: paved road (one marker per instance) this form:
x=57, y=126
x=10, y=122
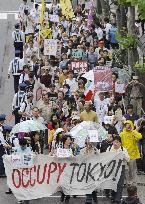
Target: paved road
x=7, y=20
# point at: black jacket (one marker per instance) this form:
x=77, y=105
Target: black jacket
x=131, y=200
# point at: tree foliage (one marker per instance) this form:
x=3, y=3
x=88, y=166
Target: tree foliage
x=139, y=3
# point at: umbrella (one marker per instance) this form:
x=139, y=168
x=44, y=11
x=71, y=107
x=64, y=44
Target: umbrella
x=86, y=129
x=28, y=126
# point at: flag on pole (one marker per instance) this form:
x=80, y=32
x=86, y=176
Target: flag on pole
x=89, y=92
x=90, y=15
x=67, y=9
x=42, y=13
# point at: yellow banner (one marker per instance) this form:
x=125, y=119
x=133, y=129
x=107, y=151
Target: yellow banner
x=66, y=7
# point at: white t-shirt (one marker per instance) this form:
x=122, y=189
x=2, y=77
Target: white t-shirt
x=72, y=83
x=99, y=32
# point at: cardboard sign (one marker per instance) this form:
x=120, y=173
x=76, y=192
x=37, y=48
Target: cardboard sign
x=118, y=115
x=50, y=174
x=119, y=87
x=54, y=18
x=77, y=53
x=50, y=47
x=80, y=66
x=108, y=120
x=16, y=161
x=103, y=78
x=64, y=153
x=93, y=135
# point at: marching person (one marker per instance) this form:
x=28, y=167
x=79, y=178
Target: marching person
x=90, y=149
x=24, y=75
x=23, y=149
x=2, y=143
x=118, y=148
x=88, y=114
x=16, y=67
x=26, y=107
x=135, y=90
x=18, y=38
x=18, y=98
x=130, y=138
x=132, y=197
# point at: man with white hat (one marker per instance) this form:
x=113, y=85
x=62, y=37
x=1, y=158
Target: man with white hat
x=135, y=90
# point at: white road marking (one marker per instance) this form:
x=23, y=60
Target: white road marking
x=10, y=12
x=3, y=16
x=16, y=16
x=83, y=196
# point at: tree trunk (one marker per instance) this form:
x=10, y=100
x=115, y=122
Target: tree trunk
x=105, y=8
x=98, y=7
x=121, y=18
x=132, y=53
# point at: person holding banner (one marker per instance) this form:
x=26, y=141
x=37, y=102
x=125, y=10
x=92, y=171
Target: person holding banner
x=87, y=150
x=117, y=147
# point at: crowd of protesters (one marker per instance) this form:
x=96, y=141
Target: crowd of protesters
x=64, y=102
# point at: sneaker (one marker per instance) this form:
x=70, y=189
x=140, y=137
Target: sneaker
x=62, y=197
x=67, y=198
x=20, y=201
x=8, y=192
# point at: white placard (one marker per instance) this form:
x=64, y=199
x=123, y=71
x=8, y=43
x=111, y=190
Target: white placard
x=64, y=153
x=54, y=18
x=50, y=47
x=16, y=161
x=119, y=87
x=22, y=161
x=108, y=120
x=93, y=135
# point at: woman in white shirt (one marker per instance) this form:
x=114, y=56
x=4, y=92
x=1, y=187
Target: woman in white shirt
x=117, y=147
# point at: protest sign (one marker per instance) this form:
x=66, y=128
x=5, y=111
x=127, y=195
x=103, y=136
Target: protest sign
x=77, y=53
x=103, y=78
x=58, y=53
x=50, y=47
x=118, y=114
x=93, y=135
x=64, y=153
x=22, y=161
x=73, y=175
x=119, y=87
x=80, y=66
x=37, y=92
x=108, y=119
x=54, y=18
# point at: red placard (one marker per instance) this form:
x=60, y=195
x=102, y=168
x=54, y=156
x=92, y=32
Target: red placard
x=103, y=78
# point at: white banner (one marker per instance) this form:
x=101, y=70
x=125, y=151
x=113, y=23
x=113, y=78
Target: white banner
x=50, y=47
x=75, y=176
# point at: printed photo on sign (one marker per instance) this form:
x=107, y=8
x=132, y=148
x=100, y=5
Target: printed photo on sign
x=50, y=47
x=119, y=87
x=103, y=78
x=93, y=135
x=27, y=160
x=80, y=66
